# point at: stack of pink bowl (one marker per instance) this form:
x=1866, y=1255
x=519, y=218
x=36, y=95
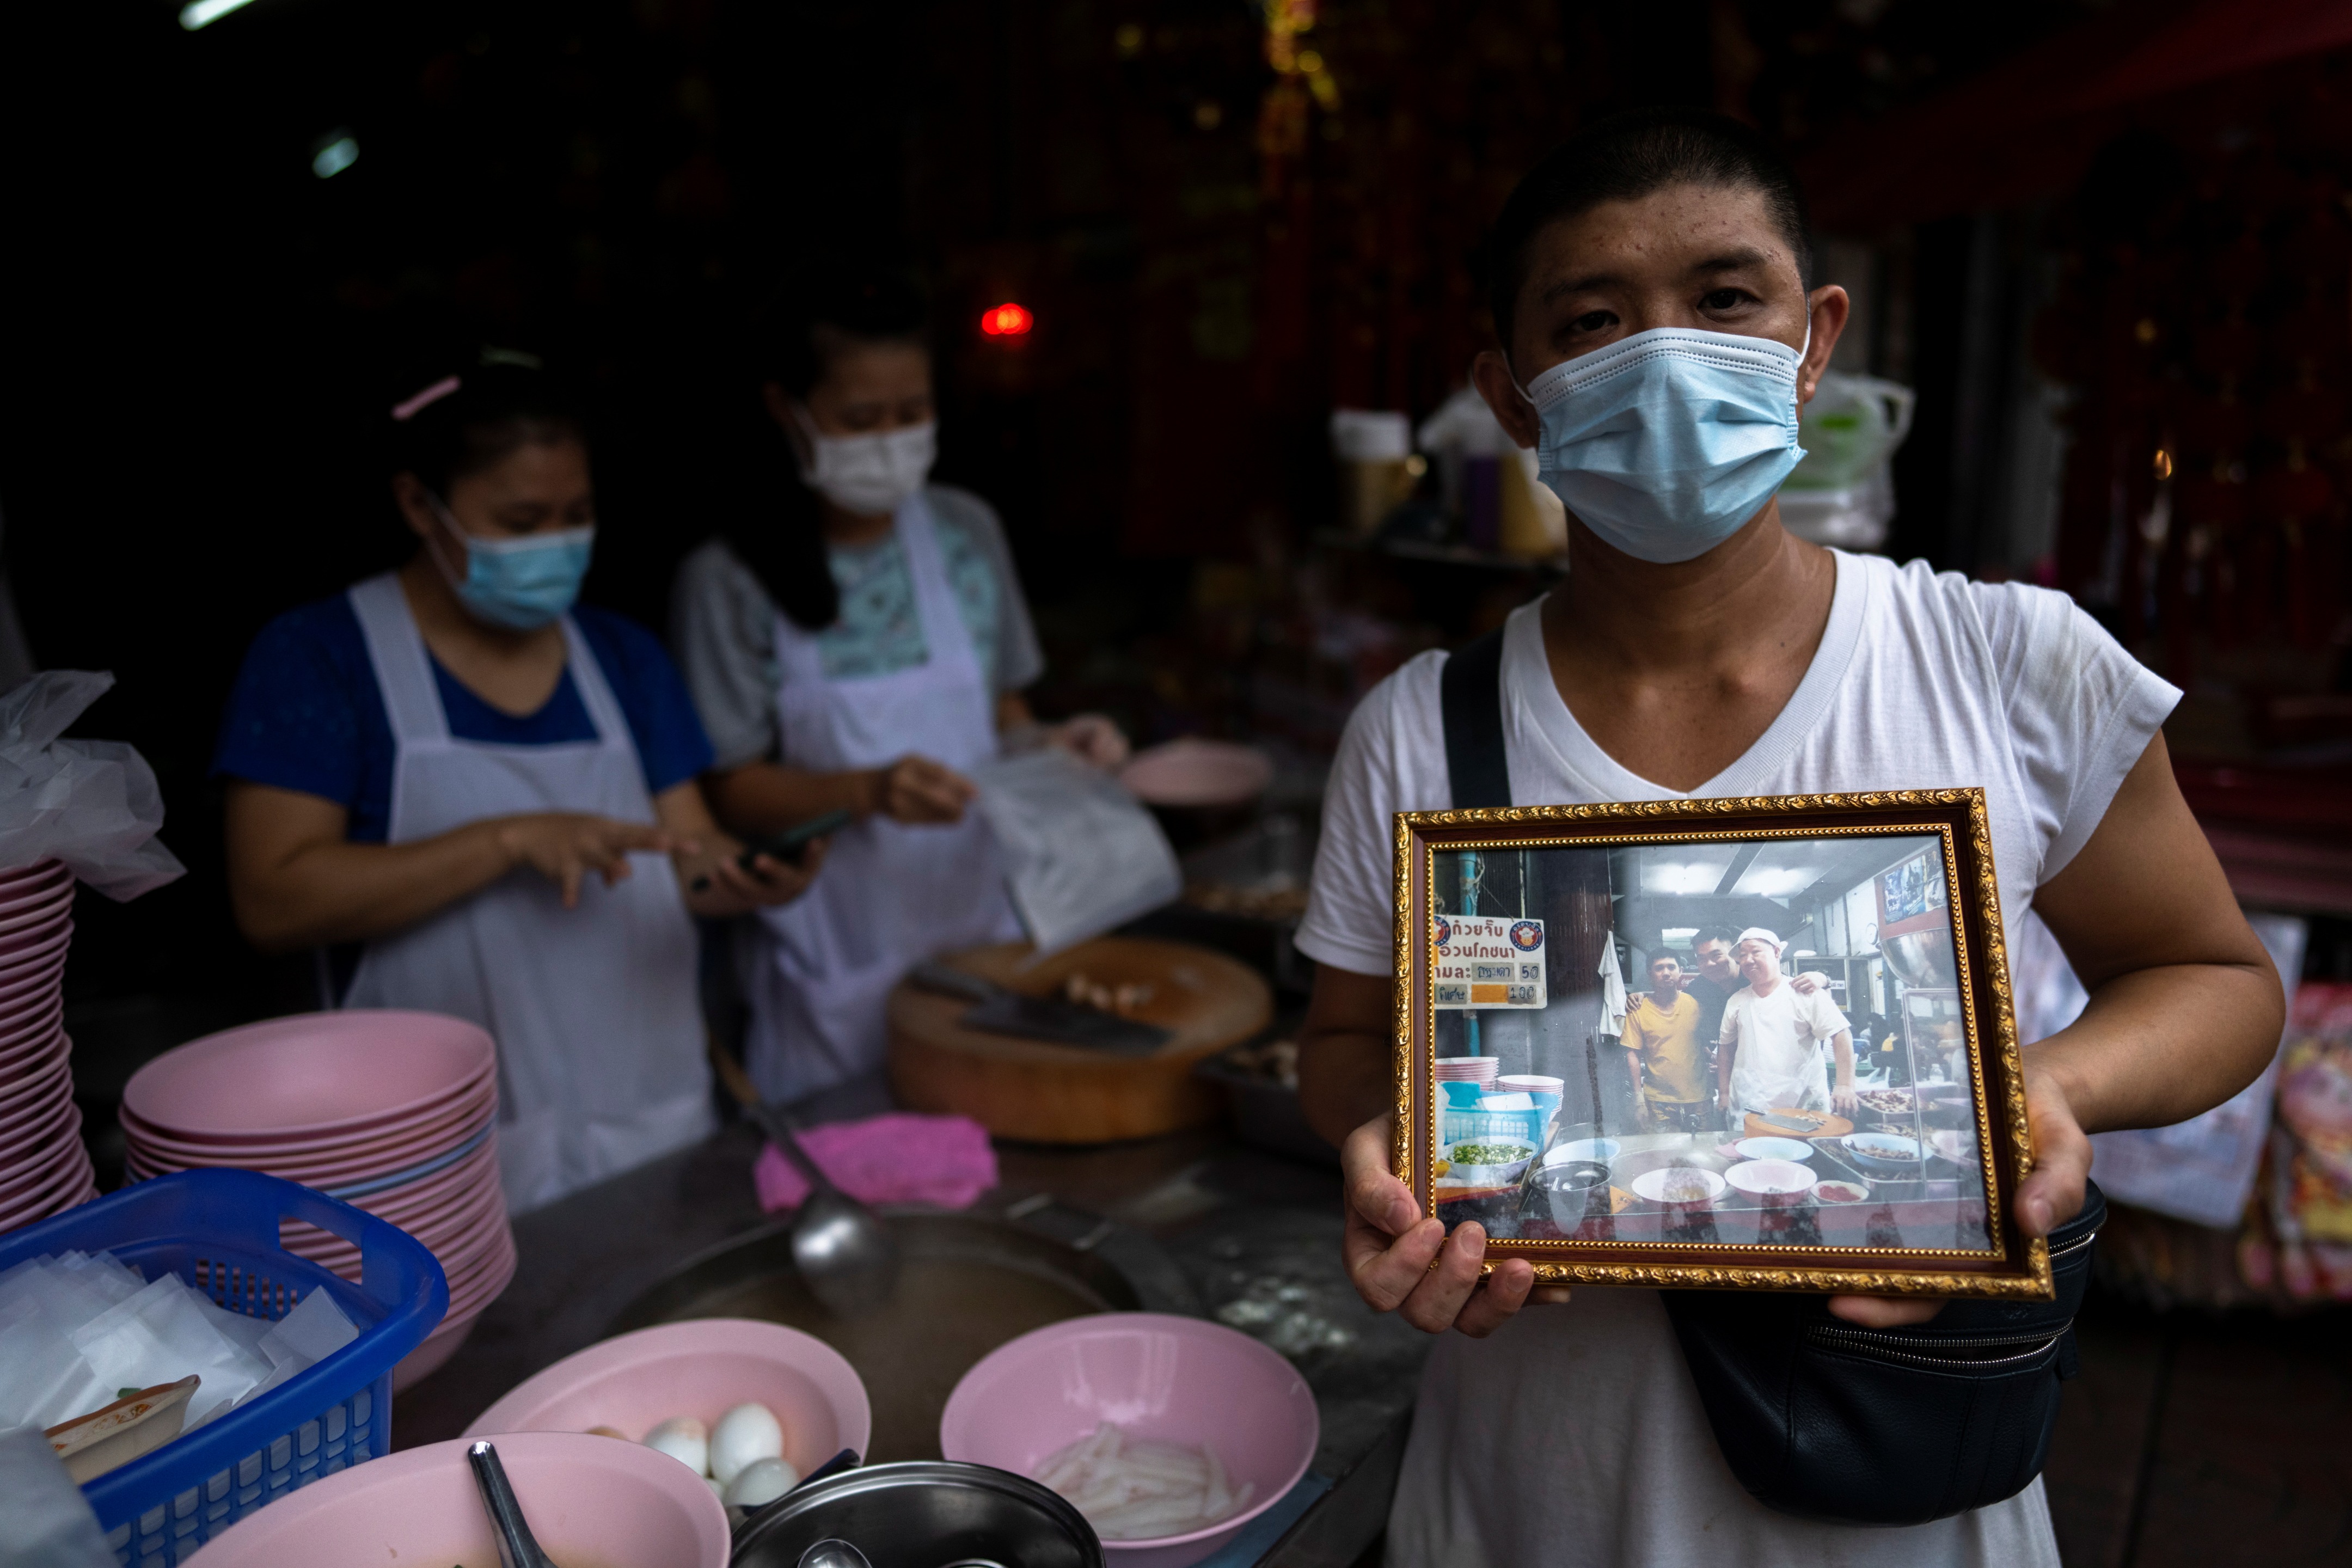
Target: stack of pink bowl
x=1480, y=1070
x=44, y=1168
x=392, y=1113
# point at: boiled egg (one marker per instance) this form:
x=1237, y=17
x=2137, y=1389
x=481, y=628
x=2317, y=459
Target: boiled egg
x=744, y=1436
x=685, y=1439
x=760, y=1481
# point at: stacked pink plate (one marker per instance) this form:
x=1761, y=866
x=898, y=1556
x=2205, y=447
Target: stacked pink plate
x=43, y=1166
x=1469, y=1070
x=393, y=1113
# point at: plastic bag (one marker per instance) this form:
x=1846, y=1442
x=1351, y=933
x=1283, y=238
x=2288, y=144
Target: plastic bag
x=93, y=805
x=1081, y=854
x=50, y=1524
x=2200, y=1170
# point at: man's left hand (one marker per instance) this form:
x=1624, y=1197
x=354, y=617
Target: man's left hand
x=1810, y=981
x=2047, y=1199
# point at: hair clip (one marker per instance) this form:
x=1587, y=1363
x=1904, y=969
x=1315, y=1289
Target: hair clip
x=425, y=399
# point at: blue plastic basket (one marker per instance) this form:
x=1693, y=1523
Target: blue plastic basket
x=217, y=1229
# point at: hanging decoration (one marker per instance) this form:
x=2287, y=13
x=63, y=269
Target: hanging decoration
x=1302, y=82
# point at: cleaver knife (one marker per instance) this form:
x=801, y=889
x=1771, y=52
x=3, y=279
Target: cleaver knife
x=1049, y=1018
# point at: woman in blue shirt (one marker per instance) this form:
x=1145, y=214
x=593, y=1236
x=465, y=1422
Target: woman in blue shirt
x=494, y=794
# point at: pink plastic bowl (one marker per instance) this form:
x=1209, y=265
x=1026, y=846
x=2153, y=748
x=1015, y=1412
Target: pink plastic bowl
x=317, y=1073
x=33, y=1050
x=701, y=1368
x=1161, y=1378
x=315, y=1162
x=1198, y=772
x=20, y=960
x=589, y=1500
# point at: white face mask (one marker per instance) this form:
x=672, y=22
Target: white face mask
x=868, y=474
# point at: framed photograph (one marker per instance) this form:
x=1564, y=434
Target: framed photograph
x=1762, y=1043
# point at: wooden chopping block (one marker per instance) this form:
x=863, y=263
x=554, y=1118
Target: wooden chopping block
x=1764, y=1126
x=1046, y=1093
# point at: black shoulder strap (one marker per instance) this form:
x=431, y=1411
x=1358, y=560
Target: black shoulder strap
x=1470, y=693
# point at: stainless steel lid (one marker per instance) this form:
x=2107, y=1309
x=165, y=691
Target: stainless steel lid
x=927, y=1514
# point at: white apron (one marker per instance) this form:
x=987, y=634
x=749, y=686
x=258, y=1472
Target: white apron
x=890, y=895
x=1798, y=1081
x=599, y=1028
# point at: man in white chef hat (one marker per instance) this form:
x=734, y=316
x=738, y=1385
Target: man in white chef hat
x=1770, y=1049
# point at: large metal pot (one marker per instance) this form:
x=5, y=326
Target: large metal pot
x=1922, y=958
x=927, y=1514
x=1579, y=1191
x=967, y=1283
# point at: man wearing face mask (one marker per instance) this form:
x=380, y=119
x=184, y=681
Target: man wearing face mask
x=1656, y=333
x=856, y=643
x=474, y=797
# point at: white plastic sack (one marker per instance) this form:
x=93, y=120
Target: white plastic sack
x=1854, y=518
x=93, y=805
x=2201, y=1170
x=76, y=1329
x=161, y=1335
x=50, y=1524
x=1081, y=855
x=1370, y=435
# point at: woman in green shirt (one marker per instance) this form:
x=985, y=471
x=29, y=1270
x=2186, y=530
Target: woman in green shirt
x=860, y=648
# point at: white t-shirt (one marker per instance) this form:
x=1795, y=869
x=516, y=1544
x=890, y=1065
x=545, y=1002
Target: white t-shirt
x=1783, y=1039
x=1573, y=1435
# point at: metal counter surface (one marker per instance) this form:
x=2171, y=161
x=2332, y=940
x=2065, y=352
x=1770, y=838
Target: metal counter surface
x=1255, y=1235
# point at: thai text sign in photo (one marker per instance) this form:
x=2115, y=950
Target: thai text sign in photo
x=1489, y=961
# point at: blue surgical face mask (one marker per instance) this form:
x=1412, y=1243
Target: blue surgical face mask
x=519, y=584
x=1665, y=442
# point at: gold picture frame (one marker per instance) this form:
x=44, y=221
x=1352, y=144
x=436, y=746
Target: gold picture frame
x=1909, y=1188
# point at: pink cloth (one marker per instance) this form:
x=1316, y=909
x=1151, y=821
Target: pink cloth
x=944, y=1161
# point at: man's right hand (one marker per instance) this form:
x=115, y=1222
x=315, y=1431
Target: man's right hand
x=1389, y=1249
x=918, y=790
x=564, y=846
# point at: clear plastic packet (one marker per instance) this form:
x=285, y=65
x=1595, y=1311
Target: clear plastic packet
x=1081, y=855
x=93, y=805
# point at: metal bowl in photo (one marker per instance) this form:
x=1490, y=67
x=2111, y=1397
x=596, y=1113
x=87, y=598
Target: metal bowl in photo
x=1487, y=1171
x=1774, y=1181
x=1883, y=1153
x=1601, y=1148
x=1774, y=1149
x=1678, y=1186
x=1956, y=1144
x=922, y=1512
x=1578, y=1189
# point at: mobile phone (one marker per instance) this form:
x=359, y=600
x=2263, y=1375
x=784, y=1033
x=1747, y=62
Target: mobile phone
x=792, y=845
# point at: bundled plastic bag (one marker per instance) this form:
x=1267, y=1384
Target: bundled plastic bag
x=50, y=1524
x=93, y=805
x=78, y=1330
x=1081, y=855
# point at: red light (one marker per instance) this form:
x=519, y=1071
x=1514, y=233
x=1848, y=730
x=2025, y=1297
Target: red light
x=1006, y=320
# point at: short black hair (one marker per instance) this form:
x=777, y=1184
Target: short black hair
x=473, y=418
x=1673, y=958
x=1723, y=934
x=824, y=307
x=1624, y=158
x=833, y=305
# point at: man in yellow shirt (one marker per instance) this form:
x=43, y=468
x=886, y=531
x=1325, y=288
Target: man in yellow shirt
x=1665, y=1053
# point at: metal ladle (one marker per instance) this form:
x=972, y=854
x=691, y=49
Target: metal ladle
x=834, y=1553
x=844, y=1250
x=517, y=1547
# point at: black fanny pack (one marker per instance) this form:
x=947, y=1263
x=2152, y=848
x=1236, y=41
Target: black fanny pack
x=1816, y=1416
x=1819, y=1417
